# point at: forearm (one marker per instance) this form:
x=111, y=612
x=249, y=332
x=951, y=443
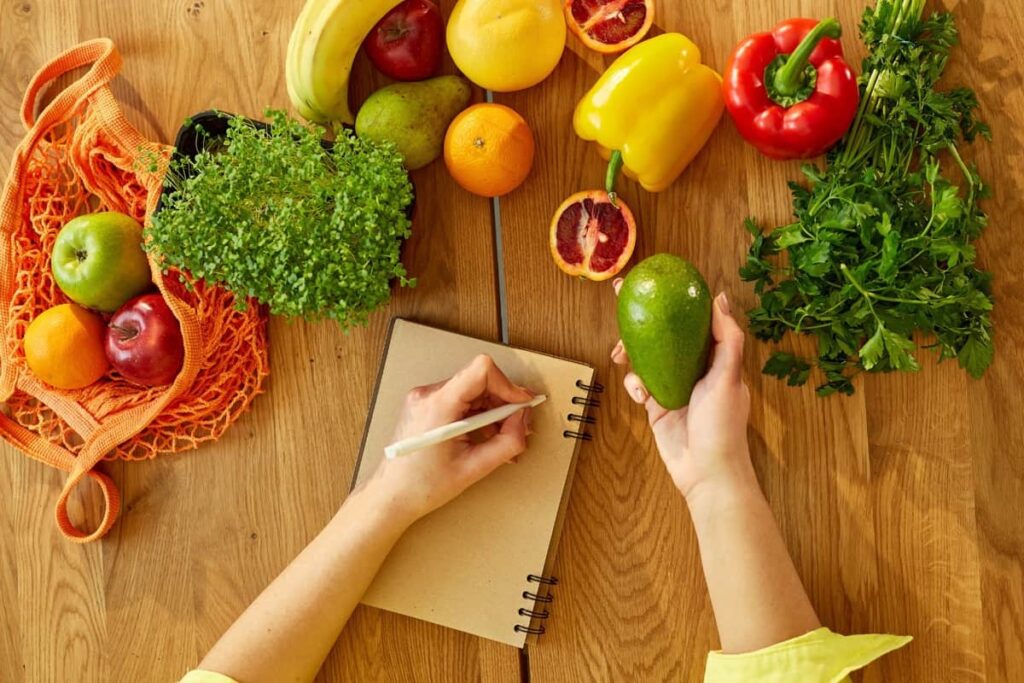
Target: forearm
x=756, y=594
x=286, y=634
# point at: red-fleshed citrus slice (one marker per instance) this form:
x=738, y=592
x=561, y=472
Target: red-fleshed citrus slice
x=609, y=25
x=591, y=237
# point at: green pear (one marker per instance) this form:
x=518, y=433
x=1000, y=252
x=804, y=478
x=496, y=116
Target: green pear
x=414, y=116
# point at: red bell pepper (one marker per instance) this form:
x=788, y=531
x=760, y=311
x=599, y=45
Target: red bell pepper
x=790, y=91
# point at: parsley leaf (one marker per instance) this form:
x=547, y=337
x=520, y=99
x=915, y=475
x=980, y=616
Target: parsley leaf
x=789, y=367
x=976, y=355
x=871, y=352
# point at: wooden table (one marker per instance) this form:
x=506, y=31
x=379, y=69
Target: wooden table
x=901, y=505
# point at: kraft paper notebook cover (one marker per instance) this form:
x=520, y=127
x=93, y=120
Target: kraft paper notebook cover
x=481, y=564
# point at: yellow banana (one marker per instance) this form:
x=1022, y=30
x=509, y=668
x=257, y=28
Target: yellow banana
x=297, y=91
x=328, y=46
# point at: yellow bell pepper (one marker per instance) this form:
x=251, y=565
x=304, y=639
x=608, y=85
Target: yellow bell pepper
x=656, y=106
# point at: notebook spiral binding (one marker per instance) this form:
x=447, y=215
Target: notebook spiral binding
x=545, y=598
x=582, y=418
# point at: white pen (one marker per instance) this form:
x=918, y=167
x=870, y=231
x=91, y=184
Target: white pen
x=458, y=428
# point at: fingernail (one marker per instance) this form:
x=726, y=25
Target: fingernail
x=640, y=394
x=617, y=349
x=723, y=303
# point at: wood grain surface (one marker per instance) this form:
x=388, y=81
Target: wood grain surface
x=903, y=506
x=202, y=533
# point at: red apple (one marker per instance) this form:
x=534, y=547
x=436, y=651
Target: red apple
x=407, y=43
x=144, y=342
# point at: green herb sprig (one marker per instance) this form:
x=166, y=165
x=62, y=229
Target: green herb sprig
x=882, y=243
x=273, y=215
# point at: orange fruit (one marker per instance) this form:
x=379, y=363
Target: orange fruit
x=489, y=149
x=591, y=236
x=609, y=26
x=64, y=347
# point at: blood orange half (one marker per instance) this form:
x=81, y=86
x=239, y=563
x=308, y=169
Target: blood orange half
x=591, y=236
x=609, y=26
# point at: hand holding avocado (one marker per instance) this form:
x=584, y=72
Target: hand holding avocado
x=704, y=445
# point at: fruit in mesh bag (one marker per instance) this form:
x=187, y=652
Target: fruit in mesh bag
x=64, y=347
x=144, y=343
x=98, y=261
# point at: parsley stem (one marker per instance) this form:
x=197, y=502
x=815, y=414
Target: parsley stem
x=908, y=10
x=963, y=169
x=858, y=121
x=891, y=299
x=853, y=281
x=800, y=327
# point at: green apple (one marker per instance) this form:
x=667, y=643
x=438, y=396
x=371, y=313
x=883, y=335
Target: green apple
x=98, y=261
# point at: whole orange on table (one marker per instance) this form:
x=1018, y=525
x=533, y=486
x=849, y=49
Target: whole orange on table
x=489, y=149
x=64, y=347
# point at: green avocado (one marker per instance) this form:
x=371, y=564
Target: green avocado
x=414, y=116
x=665, y=323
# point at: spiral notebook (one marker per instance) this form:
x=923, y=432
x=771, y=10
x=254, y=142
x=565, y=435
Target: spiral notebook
x=482, y=563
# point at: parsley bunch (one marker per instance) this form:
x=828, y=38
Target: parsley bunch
x=882, y=243
x=272, y=214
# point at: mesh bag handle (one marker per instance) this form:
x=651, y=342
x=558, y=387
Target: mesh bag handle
x=104, y=62
x=41, y=449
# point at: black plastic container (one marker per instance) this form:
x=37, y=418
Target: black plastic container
x=202, y=130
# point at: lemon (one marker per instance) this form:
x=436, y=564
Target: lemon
x=506, y=45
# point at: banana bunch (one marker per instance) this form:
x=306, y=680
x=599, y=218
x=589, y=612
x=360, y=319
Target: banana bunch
x=322, y=47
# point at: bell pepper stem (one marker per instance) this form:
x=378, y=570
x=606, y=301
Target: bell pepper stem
x=612, y=176
x=791, y=77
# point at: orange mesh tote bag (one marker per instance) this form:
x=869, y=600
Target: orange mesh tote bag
x=80, y=156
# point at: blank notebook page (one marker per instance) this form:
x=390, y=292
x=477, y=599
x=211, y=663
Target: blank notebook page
x=465, y=566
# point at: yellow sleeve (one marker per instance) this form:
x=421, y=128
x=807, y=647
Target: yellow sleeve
x=816, y=657
x=198, y=676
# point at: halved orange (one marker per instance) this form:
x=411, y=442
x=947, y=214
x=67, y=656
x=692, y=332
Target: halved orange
x=609, y=26
x=592, y=236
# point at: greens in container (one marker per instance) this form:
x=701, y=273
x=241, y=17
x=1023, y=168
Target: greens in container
x=273, y=213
